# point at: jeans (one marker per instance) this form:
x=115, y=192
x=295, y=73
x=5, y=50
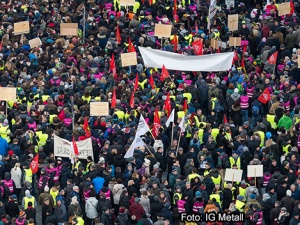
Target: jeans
x=245, y=115
x=254, y=121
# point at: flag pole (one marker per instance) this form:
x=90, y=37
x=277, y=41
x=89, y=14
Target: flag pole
x=178, y=143
x=172, y=134
x=149, y=150
x=274, y=69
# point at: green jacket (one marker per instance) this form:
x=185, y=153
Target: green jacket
x=285, y=122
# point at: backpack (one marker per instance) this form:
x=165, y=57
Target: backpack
x=216, y=105
x=240, y=88
x=255, y=110
x=34, y=62
x=225, y=161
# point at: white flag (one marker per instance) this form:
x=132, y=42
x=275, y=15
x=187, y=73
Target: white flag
x=171, y=118
x=137, y=142
x=143, y=127
x=182, y=125
x=72, y=155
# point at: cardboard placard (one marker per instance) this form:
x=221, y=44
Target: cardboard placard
x=255, y=171
x=284, y=9
x=36, y=42
x=222, y=44
x=8, y=93
x=69, y=29
x=21, y=27
x=298, y=61
x=214, y=43
x=235, y=41
x=128, y=59
x=127, y=2
x=233, y=175
x=99, y=109
x=233, y=22
x=162, y=30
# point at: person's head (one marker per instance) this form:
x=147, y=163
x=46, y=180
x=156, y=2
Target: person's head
x=76, y=189
x=46, y=201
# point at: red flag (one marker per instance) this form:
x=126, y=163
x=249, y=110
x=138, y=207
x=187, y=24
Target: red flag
x=164, y=73
x=244, y=49
x=112, y=66
x=175, y=42
x=132, y=100
x=235, y=57
x=225, y=119
x=175, y=8
x=131, y=47
x=168, y=104
x=75, y=147
x=273, y=58
x=292, y=7
x=150, y=2
x=136, y=83
x=156, y=124
x=265, y=96
x=34, y=165
x=198, y=47
x=185, y=107
x=114, y=99
x=151, y=82
x=86, y=128
x=118, y=35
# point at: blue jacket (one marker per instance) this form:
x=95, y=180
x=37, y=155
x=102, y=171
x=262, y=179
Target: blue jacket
x=98, y=183
x=3, y=146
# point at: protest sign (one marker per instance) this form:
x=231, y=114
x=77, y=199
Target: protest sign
x=229, y=3
x=162, y=30
x=214, y=44
x=284, y=9
x=233, y=22
x=21, y=27
x=127, y=2
x=36, y=42
x=233, y=175
x=69, y=29
x=62, y=148
x=128, y=59
x=99, y=109
x=255, y=171
x=298, y=61
x=8, y=94
x=235, y=41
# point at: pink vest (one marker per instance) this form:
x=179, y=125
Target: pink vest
x=9, y=184
x=108, y=7
x=180, y=206
x=20, y=221
x=244, y=102
x=56, y=176
x=107, y=194
x=295, y=100
x=197, y=206
x=266, y=180
x=86, y=194
x=68, y=121
x=287, y=105
x=40, y=184
x=250, y=92
x=32, y=126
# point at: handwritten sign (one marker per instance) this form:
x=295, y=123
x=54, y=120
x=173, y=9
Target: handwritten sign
x=21, y=27
x=69, y=29
x=233, y=175
x=128, y=59
x=99, y=109
x=233, y=22
x=235, y=41
x=127, y=2
x=8, y=94
x=255, y=171
x=284, y=9
x=36, y=42
x=214, y=44
x=162, y=30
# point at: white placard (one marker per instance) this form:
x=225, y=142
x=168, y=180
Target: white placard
x=255, y=171
x=233, y=175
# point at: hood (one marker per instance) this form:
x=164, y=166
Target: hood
x=135, y=206
x=252, y=189
x=235, y=96
x=236, y=109
x=7, y=176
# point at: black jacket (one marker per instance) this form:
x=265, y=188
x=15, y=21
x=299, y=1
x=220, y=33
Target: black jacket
x=155, y=208
x=12, y=209
x=51, y=219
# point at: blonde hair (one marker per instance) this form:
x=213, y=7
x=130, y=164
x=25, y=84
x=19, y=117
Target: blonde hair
x=17, y=165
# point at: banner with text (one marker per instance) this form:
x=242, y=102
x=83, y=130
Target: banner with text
x=62, y=147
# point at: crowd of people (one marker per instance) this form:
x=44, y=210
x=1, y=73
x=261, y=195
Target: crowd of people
x=226, y=122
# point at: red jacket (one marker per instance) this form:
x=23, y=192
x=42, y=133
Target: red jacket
x=137, y=210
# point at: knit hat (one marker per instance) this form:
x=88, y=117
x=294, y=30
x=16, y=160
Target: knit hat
x=198, y=194
x=288, y=192
x=136, y=200
x=156, y=198
x=22, y=213
x=253, y=196
x=27, y=193
x=266, y=196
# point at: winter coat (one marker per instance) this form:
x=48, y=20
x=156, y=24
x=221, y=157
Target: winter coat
x=16, y=176
x=250, y=190
x=61, y=213
x=117, y=191
x=137, y=210
x=145, y=203
x=288, y=203
x=91, y=207
x=155, y=209
x=12, y=209
x=75, y=208
x=65, y=174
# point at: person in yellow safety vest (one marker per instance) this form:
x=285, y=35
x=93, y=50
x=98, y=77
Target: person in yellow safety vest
x=271, y=120
x=27, y=174
x=235, y=160
x=243, y=189
x=286, y=148
x=239, y=203
x=86, y=96
x=216, y=178
x=193, y=175
x=177, y=195
x=22, y=97
x=42, y=137
x=188, y=96
x=28, y=198
x=54, y=192
x=218, y=196
x=77, y=163
x=215, y=132
x=120, y=114
x=90, y=162
x=261, y=135
x=207, y=169
x=5, y=131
